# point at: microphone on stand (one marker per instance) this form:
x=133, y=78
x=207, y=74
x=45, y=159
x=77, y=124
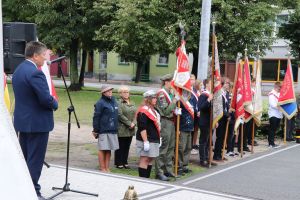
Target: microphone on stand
x=49, y=62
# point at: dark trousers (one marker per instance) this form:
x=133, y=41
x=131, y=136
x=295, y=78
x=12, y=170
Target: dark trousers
x=220, y=133
x=230, y=138
x=248, y=131
x=34, y=146
x=121, y=155
x=290, y=126
x=203, y=143
x=274, y=125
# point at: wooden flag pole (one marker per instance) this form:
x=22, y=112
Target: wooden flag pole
x=211, y=89
x=284, y=132
x=252, y=136
x=242, y=139
x=225, y=139
x=177, y=141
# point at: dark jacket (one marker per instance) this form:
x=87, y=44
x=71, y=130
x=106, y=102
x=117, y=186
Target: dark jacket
x=105, y=118
x=186, y=120
x=225, y=101
x=204, y=107
x=144, y=123
x=34, y=104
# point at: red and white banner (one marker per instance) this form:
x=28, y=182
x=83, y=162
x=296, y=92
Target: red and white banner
x=46, y=71
x=257, y=99
x=181, y=80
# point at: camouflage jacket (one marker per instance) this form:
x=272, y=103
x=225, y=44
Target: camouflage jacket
x=164, y=103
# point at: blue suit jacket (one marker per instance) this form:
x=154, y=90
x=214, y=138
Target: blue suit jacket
x=34, y=104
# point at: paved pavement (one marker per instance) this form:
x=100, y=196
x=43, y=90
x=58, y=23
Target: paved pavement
x=94, y=84
x=270, y=175
x=273, y=175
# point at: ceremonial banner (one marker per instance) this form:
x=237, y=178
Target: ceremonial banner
x=6, y=94
x=247, y=91
x=257, y=100
x=181, y=80
x=237, y=102
x=182, y=74
x=217, y=90
x=287, y=101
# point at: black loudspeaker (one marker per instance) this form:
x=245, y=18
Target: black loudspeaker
x=15, y=37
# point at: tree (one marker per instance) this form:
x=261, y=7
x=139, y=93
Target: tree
x=137, y=31
x=291, y=32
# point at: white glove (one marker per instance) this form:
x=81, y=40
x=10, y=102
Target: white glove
x=177, y=111
x=177, y=97
x=160, y=141
x=146, y=146
x=242, y=121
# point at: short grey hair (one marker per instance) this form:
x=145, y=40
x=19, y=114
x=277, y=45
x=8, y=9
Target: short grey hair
x=123, y=88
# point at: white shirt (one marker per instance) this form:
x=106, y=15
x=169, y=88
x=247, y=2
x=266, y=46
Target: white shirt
x=273, y=109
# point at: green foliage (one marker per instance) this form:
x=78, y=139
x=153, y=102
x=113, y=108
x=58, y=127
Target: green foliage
x=291, y=32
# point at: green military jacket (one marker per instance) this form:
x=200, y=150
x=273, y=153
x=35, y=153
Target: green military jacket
x=297, y=124
x=164, y=103
x=126, y=117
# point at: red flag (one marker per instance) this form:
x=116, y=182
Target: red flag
x=45, y=69
x=237, y=102
x=287, y=101
x=247, y=91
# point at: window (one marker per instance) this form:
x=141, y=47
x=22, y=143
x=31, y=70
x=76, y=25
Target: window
x=123, y=61
x=103, y=60
x=269, y=70
x=163, y=59
x=274, y=70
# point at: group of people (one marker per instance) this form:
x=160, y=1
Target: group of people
x=116, y=122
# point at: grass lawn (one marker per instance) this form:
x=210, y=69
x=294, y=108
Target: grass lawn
x=83, y=102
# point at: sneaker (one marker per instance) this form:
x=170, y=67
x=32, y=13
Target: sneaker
x=275, y=146
x=195, y=146
x=194, y=152
x=230, y=154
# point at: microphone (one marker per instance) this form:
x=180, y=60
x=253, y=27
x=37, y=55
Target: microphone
x=49, y=62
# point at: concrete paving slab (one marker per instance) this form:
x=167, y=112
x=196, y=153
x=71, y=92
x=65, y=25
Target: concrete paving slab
x=114, y=186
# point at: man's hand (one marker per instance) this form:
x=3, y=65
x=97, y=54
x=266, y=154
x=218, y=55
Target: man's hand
x=132, y=125
x=177, y=111
x=210, y=97
x=95, y=135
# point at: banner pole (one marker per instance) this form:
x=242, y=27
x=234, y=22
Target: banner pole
x=225, y=139
x=284, y=133
x=177, y=141
x=252, y=136
x=242, y=139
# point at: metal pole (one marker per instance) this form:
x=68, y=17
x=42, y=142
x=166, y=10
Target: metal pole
x=1, y=57
x=204, y=40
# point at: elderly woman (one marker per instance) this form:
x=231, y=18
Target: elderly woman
x=105, y=124
x=126, y=128
x=148, y=134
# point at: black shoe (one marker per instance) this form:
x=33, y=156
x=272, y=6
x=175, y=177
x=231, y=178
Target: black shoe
x=187, y=170
x=171, y=175
x=247, y=149
x=119, y=166
x=40, y=197
x=290, y=139
x=180, y=172
x=203, y=163
x=255, y=143
x=162, y=177
x=126, y=167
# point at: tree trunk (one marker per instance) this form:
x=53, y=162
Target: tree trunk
x=82, y=70
x=139, y=67
x=195, y=62
x=73, y=66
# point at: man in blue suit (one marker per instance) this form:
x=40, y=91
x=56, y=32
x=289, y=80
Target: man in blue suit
x=33, y=115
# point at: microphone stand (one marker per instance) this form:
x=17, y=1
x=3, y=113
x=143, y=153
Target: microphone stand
x=66, y=187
